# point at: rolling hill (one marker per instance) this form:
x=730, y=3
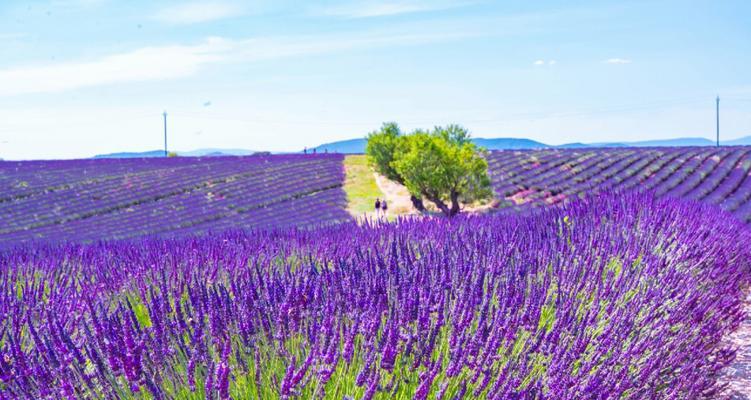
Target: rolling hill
x=211, y=152
x=357, y=146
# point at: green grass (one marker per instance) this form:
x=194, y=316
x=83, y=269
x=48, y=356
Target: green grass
x=360, y=185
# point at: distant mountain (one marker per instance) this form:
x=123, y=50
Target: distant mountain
x=744, y=141
x=142, y=154
x=193, y=153
x=357, y=146
x=679, y=142
x=576, y=145
x=351, y=146
x=215, y=152
x=508, y=144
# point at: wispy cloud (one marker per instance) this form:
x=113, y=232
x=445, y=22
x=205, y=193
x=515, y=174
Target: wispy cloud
x=179, y=61
x=540, y=63
x=12, y=35
x=369, y=9
x=149, y=63
x=196, y=12
x=77, y=3
x=617, y=61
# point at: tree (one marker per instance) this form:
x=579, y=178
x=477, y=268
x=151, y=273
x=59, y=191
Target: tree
x=442, y=165
x=382, y=149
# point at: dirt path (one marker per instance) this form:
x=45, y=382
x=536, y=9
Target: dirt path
x=400, y=203
x=396, y=195
x=738, y=374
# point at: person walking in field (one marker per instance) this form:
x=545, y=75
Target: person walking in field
x=377, y=206
x=384, y=207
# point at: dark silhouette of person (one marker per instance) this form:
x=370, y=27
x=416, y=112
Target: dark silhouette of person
x=384, y=206
x=377, y=205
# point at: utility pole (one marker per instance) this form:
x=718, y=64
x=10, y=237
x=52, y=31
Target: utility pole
x=717, y=112
x=165, y=132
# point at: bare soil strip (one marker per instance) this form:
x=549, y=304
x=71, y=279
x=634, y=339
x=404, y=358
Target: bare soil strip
x=397, y=196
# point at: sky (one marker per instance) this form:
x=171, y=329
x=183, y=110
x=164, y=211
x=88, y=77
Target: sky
x=86, y=77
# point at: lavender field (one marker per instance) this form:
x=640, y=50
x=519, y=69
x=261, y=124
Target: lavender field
x=245, y=278
x=624, y=296
x=89, y=200
x=375, y=200
x=86, y=200
x=720, y=176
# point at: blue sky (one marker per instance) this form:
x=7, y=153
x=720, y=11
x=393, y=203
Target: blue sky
x=81, y=77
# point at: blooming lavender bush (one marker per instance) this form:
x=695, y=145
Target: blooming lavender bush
x=623, y=296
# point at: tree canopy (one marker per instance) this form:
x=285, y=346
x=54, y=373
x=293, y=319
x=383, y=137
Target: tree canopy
x=441, y=165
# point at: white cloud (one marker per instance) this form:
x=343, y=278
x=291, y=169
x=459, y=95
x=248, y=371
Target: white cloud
x=12, y=36
x=170, y=62
x=540, y=63
x=368, y=9
x=196, y=12
x=77, y=3
x=148, y=63
x=617, y=61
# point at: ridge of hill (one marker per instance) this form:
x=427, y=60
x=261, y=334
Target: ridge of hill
x=357, y=146
x=208, y=152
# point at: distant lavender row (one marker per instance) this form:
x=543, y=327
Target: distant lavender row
x=101, y=199
x=617, y=297
x=121, y=198
x=528, y=179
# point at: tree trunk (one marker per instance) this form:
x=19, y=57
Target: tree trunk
x=441, y=205
x=454, y=204
x=417, y=203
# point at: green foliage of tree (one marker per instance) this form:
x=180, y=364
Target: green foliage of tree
x=441, y=165
x=382, y=147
